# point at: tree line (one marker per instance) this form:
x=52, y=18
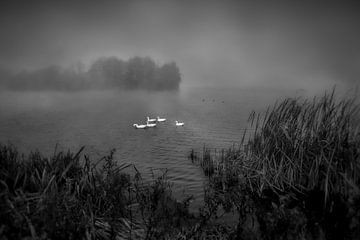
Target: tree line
x=105, y=72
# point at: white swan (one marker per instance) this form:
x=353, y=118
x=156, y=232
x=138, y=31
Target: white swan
x=179, y=123
x=151, y=119
x=139, y=126
x=160, y=119
x=150, y=124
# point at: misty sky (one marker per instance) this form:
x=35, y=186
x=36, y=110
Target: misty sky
x=213, y=42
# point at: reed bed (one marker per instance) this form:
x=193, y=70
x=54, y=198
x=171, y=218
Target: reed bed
x=303, y=145
x=69, y=197
x=300, y=168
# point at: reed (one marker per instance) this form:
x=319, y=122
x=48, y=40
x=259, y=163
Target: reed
x=302, y=145
x=300, y=154
x=69, y=197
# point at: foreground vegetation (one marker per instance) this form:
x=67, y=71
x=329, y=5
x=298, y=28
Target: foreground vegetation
x=296, y=175
x=67, y=197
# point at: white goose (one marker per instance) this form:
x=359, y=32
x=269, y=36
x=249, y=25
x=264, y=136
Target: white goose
x=139, y=126
x=160, y=119
x=179, y=123
x=150, y=124
x=151, y=119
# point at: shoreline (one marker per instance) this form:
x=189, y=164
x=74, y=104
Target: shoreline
x=297, y=176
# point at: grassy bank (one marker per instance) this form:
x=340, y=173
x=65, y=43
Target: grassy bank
x=298, y=176
x=68, y=197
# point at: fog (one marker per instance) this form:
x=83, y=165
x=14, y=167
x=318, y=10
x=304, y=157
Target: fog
x=104, y=73
x=214, y=43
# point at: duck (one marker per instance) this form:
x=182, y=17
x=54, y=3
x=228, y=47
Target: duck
x=160, y=119
x=151, y=119
x=179, y=123
x=150, y=124
x=139, y=126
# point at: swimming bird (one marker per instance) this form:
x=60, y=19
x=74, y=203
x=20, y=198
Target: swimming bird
x=179, y=123
x=139, y=126
x=150, y=124
x=160, y=119
x=151, y=119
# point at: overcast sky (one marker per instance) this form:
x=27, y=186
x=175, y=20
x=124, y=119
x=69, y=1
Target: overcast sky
x=213, y=42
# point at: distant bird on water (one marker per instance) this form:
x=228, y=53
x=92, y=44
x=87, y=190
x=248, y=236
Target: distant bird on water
x=151, y=119
x=139, y=126
x=150, y=124
x=179, y=123
x=160, y=119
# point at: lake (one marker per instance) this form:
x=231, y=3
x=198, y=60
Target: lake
x=102, y=120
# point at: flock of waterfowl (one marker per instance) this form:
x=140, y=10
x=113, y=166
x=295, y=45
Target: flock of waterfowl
x=151, y=122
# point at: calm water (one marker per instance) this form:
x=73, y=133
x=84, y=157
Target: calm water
x=103, y=120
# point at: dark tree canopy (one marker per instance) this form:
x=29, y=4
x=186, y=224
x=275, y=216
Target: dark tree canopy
x=105, y=72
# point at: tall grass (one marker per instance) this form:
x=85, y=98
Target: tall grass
x=303, y=145
x=301, y=154
x=69, y=197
